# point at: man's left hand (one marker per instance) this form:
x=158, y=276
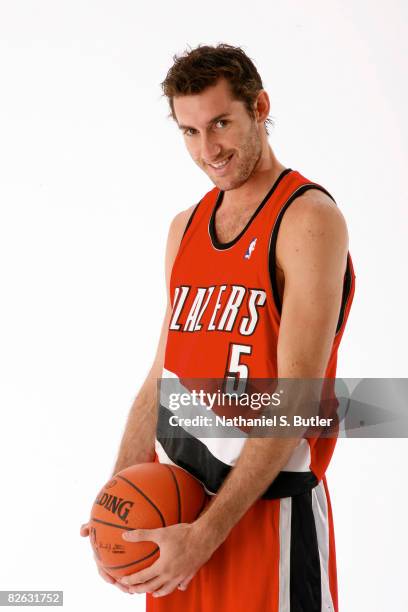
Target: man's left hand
x=183, y=550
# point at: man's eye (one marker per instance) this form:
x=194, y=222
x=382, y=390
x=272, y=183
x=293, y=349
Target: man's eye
x=189, y=132
x=221, y=123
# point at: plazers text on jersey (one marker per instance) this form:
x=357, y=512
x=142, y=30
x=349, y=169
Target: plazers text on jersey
x=217, y=308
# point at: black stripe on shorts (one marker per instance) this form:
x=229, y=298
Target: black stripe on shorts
x=305, y=575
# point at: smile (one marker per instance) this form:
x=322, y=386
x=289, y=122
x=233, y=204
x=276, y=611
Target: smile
x=221, y=164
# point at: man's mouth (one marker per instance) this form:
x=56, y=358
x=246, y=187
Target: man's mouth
x=221, y=164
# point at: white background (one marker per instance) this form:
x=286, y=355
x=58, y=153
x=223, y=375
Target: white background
x=92, y=172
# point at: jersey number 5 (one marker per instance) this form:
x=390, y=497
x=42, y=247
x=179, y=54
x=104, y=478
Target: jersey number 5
x=237, y=373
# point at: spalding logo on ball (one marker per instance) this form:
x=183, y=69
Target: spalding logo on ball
x=143, y=496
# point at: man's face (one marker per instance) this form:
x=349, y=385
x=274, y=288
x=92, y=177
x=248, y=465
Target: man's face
x=219, y=134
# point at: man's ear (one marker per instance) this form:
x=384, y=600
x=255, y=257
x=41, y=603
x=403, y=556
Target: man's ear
x=262, y=106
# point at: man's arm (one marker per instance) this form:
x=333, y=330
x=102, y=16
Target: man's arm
x=312, y=252
x=137, y=445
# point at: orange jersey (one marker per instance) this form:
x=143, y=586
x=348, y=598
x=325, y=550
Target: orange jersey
x=225, y=323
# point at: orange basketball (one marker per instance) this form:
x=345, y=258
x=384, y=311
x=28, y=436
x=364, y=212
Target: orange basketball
x=143, y=496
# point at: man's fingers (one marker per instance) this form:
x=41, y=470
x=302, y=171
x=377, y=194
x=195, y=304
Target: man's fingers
x=84, y=530
x=123, y=588
x=103, y=574
x=106, y=576
x=166, y=589
x=149, y=573
x=184, y=584
x=143, y=535
x=147, y=587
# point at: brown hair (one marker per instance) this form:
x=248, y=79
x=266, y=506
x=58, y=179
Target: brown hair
x=196, y=69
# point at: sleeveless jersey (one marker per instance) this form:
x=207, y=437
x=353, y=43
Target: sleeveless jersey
x=225, y=312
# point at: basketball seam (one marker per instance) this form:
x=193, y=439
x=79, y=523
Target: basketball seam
x=132, y=562
x=177, y=491
x=146, y=498
x=96, y=520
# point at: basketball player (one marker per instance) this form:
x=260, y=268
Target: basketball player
x=259, y=281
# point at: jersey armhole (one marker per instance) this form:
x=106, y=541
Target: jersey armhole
x=272, y=255
x=190, y=220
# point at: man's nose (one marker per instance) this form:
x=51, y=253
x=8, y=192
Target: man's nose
x=209, y=149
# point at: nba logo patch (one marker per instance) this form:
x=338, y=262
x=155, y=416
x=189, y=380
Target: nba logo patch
x=251, y=249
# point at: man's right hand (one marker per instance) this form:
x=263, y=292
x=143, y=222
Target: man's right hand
x=85, y=533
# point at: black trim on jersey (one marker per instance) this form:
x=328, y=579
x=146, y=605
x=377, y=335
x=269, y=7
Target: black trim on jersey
x=211, y=225
x=272, y=254
x=190, y=220
x=346, y=293
x=305, y=574
x=192, y=455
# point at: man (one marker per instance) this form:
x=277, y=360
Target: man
x=259, y=282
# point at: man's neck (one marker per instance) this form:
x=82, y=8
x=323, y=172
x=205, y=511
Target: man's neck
x=257, y=185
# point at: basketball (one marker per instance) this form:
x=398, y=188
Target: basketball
x=143, y=496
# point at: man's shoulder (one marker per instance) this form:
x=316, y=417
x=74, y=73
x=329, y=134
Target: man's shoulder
x=312, y=219
x=182, y=218
x=315, y=207
x=179, y=225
